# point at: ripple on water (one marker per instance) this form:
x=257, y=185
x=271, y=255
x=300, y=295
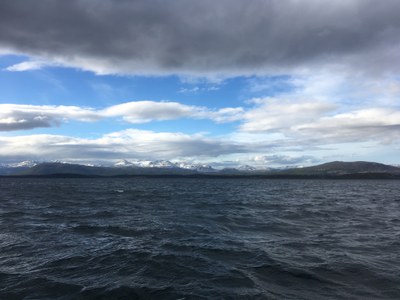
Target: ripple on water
x=199, y=239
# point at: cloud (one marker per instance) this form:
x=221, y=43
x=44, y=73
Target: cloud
x=314, y=123
x=230, y=37
x=378, y=124
x=29, y=66
x=327, y=109
x=227, y=114
x=273, y=115
x=127, y=144
x=268, y=121
x=189, y=90
x=22, y=117
x=147, y=111
x=197, y=89
x=277, y=159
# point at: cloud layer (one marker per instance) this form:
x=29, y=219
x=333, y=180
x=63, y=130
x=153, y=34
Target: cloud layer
x=22, y=117
x=291, y=116
x=128, y=144
x=229, y=37
x=329, y=109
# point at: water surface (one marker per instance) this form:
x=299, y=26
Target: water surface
x=147, y=238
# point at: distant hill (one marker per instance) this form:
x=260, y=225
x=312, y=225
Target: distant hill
x=336, y=169
x=13, y=168
x=6, y=170
x=76, y=169
x=340, y=167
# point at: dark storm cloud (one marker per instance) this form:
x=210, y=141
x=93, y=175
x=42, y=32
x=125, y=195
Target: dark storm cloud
x=204, y=37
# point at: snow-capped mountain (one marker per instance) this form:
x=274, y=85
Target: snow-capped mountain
x=196, y=167
x=22, y=164
x=123, y=163
x=11, y=168
x=246, y=168
x=166, y=168
x=161, y=164
x=164, y=164
x=145, y=164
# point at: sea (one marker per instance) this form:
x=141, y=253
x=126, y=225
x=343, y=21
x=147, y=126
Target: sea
x=188, y=238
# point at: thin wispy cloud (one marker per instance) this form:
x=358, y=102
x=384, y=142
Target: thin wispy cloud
x=29, y=65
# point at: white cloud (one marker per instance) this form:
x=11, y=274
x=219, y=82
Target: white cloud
x=274, y=115
x=323, y=109
x=373, y=117
x=189, y=90
x=21, y=117
x=197, y=89
x=146, y=111
x=228, y=114
x=378, y=124
x=128, y=144
x=30, y=65
x=279, y=160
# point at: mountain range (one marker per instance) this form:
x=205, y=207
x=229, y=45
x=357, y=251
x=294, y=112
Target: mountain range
x=336, y=169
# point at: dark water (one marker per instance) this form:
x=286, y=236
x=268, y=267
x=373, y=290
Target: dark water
x=199, y=239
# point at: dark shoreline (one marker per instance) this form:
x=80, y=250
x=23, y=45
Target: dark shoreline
x=364, y=176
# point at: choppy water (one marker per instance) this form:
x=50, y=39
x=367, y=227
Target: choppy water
x=199, y=239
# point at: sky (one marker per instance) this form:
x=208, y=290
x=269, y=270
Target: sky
x=265, y=83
